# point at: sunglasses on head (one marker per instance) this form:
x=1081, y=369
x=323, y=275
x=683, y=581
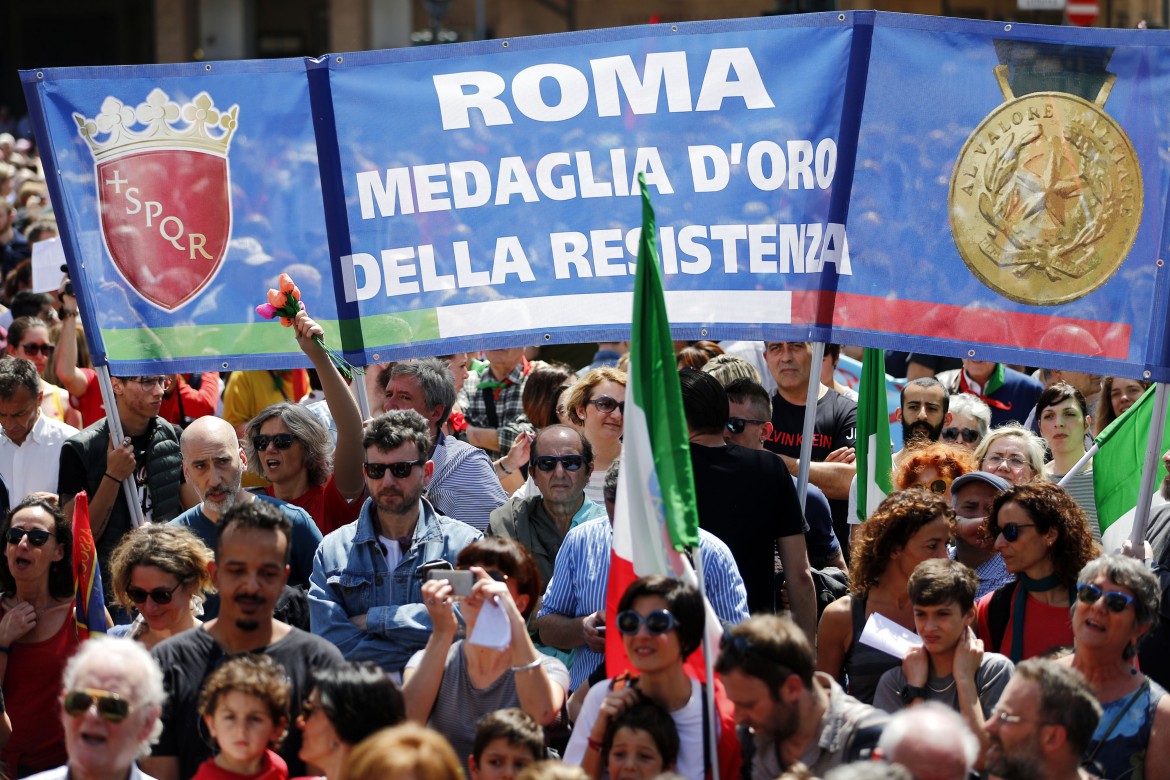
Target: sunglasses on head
x=605, y=404
x=161, y=596
x=968, y=435
x=938, y=486
x=1011, y=531
x=36, y=536
x=110, y=706
x=737, y=424
x=549, y=462
x=32, y=350
x=282, y=441
x=1115, y=600
x=657, y=622
x=400, y=470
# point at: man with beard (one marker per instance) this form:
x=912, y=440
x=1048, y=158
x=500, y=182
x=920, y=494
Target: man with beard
x=788, y=712
x=214, y=463
x=365, y=594
x=1042, y=724
x=253, y=541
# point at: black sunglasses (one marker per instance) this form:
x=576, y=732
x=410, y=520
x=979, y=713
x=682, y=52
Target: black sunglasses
x=110, y=706
x=1115, y=600
x=549, y=462
x=33, y=349
x=400, y=470
x=1011, y=531
x=737, y=424
x=968, y=435
x=605, y=404
x=282, y=441
x=161, y=596
x=657, y=622
x=36, y=536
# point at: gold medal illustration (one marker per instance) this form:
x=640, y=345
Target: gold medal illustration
x=1046, y=196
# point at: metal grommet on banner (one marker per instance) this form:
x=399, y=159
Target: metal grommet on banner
x=375, y=356
x=703, y=332
x=505, y=44
x=971, y=353
x=1007, y=28
x=225, y=365
x=1145, y=374
x=674, y=28
x=840, y=17
x=40, y=74
x=1160, y=262
x=339, y=60
x=548, y=337
x=207, y=68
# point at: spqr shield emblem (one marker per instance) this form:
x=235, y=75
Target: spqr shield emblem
x=166, y=219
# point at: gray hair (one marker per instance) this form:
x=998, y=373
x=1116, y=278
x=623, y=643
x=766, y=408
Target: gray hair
x=1066, y=700
x=434, y=376
x=727, y=368
x=16, y=372
x=391, y=430
x=1035, y=447
x=143, y=676
x=971, y=406
x=933, y=722
x=1128, y=573
x=307, y=429
x=870, y=770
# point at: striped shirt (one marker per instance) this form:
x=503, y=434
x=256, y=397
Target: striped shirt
x=581, y=574
x=464, y=483
x=1080, y=487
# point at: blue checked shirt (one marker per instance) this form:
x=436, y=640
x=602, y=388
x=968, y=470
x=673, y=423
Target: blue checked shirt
x=580, y=575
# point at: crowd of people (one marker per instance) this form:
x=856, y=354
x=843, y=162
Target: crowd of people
x=423, y=593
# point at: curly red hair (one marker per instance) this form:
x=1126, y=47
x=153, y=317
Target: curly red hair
x=950, y=463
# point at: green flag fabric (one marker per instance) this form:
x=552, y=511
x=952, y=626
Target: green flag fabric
x=1118, y=464
x=874, y=462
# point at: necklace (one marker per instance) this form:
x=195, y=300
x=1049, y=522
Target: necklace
x=942, y=690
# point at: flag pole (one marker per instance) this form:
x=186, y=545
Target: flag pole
x=128, y=487
x=1080, y=464
x=1149, y=474
x=709, y=668
x=810, y=421
x=362, y=397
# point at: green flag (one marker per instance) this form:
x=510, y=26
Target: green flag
x=1120, y=458
x=873, y=435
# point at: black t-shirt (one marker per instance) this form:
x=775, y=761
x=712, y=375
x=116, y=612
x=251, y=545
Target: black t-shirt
x=836, y=427
x=188, y=658
x=747, y=499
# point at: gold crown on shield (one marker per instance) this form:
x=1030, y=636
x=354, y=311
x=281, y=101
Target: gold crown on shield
x=197, y=125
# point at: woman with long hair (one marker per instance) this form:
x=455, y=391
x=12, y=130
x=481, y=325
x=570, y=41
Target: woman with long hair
x=909, y=527
x=1118, y=393
x=1043, y=536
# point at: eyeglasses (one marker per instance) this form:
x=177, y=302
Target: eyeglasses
x=1015, y=462
x=110, y=706
x=737, y=424
x=549, y=462
x=939, y=486
x=282, y=441
x=36, y=536
x=1006, y=717
x=308, y=708
x=32, y=350
x=161, y=596
x=657, y=622
x=400, y=470
x=150, y=382
x=1115, y=600
x=1011, y=531
x=605, y=404
x=968, y=435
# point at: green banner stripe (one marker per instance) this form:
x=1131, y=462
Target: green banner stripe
x=259, y=338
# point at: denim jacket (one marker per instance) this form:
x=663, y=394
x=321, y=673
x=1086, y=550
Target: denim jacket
x=350, y=578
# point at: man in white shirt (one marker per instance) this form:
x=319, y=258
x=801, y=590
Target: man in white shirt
x=30, y=447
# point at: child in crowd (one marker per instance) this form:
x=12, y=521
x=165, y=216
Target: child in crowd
x=245, y=706
x=506, y=741
x=640, y=743
x=950, y=666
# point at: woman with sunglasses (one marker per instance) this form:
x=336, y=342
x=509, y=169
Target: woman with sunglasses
x=346, y=704
x=661, y=623
x=1117, y=394
x=28, y=338
x=1043, y=537
x=909, y=527
x=597, y=404
x=450, y=684
x=933, y=468
x=1063, y=417
x=37, y=632
x=970, y=419
x=1117, y=602
x=1012, y=452
x=162, y=572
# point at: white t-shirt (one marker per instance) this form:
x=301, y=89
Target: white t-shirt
x=688, y=721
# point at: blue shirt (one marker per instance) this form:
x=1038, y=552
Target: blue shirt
x=581, y=575
x=464, y=484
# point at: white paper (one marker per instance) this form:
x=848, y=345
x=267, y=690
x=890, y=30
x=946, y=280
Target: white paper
x=884, y=634
x=491, y=627
x=47, y=259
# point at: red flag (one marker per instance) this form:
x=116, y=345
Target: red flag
x=90, y=601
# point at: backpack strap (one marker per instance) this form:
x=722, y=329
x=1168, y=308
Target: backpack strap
x=999, y=611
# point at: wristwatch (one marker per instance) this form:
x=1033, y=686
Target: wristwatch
x=912, y=692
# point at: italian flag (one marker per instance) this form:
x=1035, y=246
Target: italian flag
x=1118, y=467
x=874, y=463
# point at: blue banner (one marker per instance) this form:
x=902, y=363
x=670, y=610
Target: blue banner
x=935, y=185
